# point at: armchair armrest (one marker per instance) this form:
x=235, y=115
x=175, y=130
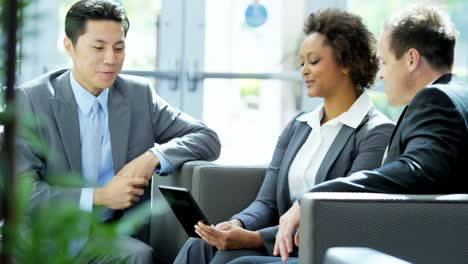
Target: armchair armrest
x=220, y=190
x=417, y=228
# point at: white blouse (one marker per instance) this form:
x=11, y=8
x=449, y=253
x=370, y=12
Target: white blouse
x=305, y=165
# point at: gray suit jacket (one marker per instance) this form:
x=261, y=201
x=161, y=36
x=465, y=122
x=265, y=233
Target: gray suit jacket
x=138, y=119
x=352, y=150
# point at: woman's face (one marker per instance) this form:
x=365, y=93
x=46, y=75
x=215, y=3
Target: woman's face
x=323, y=76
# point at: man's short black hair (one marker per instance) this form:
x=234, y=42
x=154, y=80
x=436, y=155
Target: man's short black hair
x=84, y=10
x=426, y=29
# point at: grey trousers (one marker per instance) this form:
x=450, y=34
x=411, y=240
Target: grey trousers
x=127, y=250
x=197, y=251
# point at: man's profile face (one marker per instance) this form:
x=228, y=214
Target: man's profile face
x=394, y=73
x=98, y=54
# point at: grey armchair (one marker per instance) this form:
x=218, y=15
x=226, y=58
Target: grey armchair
x=220, y=190
x=417, y=228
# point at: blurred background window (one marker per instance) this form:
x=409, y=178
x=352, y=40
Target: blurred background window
x=204, y=58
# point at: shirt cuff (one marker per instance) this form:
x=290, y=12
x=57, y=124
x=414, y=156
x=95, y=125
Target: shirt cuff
x=165, y=166
x=86, y=199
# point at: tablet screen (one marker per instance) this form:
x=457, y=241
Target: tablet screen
x=184, y=207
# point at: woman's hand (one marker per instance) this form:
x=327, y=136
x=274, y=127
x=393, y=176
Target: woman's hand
x=228, y=225
x=228, y=235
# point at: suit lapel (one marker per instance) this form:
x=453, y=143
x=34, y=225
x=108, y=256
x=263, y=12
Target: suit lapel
x=338, y=144
x=394, y=151
x=65, y=112
x=297, y=140
x=119, y=125
x=396, y=129
x=442, y=79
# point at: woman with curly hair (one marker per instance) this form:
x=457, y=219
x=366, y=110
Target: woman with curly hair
x=343, y=135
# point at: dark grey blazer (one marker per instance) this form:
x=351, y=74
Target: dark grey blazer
x=138, y=119
x=352, y=150
x=428, y=152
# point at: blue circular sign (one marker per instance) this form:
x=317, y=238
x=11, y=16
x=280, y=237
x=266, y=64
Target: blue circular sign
x=256, y=15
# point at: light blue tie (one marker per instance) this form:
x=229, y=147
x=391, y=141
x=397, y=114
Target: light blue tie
x=91, y=146
x=91, y=150
x=90, y=158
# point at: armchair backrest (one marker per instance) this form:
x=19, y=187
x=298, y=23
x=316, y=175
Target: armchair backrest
x=417, y=228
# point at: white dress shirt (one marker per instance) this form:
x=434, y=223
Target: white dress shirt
x=305, y=165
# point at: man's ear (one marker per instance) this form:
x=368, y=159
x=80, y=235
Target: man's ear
x=68, y=45
x=413, y=59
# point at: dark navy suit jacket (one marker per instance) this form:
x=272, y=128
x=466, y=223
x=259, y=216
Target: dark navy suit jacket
x=428, y=152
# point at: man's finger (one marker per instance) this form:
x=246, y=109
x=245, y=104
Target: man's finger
x=296, y=238
x=275, y=249
x=148, y=176
x=283, y=251
x=135, y=198
x=137, y=191
x=138, y=182
x=289, y=240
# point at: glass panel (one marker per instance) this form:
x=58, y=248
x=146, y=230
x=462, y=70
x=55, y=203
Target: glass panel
x=141, y=44
x=374, y=13
x=458, y=10
x=64, y=60
x=250, y=114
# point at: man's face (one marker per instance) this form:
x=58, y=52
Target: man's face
x=98, y=54
x=394, y=73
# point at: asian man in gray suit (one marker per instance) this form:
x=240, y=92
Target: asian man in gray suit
x=111, y=129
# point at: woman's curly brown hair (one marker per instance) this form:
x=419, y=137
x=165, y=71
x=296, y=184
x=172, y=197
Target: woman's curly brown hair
x=353, y=45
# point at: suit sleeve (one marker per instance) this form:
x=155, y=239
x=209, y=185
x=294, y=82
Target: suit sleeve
x=263, y=212
x=432, y=133
x=179, y=137
x=31, y=162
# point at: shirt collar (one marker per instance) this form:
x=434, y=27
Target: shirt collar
x=352, y=118
x=312, y=118
x=85, y=99
x=433, y=81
